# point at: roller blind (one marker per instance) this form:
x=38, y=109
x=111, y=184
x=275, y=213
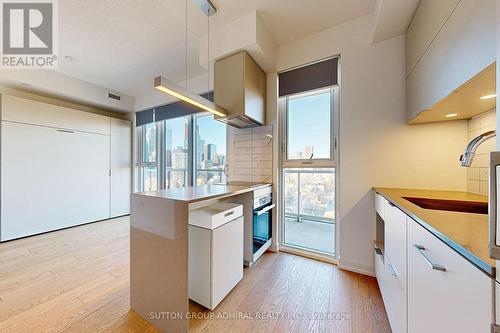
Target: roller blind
x=318, y=75
x=144, y=117
x=169, y=111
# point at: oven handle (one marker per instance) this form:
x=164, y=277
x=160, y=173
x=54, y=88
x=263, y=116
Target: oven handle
x=266, y=209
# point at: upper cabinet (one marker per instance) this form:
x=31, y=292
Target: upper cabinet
x=448, y=43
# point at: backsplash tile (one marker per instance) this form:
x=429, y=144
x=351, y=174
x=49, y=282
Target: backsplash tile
x=250, y=154
x=477, y=174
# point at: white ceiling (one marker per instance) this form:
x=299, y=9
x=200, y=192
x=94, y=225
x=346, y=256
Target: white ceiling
x=288, y=20
x=123, y=44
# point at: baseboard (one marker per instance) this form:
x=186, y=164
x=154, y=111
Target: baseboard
x=357, y=268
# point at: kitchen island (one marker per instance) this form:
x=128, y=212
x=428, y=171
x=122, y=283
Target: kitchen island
x=159, y=249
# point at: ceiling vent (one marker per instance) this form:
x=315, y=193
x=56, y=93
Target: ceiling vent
x=114, y=96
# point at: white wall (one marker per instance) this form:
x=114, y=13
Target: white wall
x=377, y=148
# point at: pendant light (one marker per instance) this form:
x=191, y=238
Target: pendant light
x=167, y=86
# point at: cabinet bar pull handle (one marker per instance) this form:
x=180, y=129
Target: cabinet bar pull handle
x=432, y=265
x=393, y=273
x=266, y=209
x=229, y=214
x=65, y=131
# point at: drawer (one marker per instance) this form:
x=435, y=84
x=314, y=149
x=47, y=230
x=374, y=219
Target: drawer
x=395, y=241
x=394, y=299
x=213, y=216
x=380, y=202
x=458, y=299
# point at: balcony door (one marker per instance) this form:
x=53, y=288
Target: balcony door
x=308, y=171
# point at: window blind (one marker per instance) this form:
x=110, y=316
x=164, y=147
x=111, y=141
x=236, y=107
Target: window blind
x=314, y=76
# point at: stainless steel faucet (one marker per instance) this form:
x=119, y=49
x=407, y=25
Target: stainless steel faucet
x=468, y=156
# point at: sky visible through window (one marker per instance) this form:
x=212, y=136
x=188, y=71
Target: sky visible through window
x=309, y=126
x=213, y=131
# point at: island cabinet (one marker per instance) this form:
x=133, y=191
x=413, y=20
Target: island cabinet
x=426, y=285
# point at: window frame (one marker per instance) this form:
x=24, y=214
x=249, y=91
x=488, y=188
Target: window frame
x=161, y=160
x=331, y=162
x=140, y=162
x=194, y=155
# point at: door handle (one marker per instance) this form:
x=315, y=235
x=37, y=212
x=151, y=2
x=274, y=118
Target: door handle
x=432, y=265
x=492, y=205
x=268, y=208
x=393, y=272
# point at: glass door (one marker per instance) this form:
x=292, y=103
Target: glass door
x=308, y=171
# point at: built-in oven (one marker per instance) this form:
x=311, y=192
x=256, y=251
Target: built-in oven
x=262, y=224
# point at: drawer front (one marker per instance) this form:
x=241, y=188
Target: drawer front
x=380, y=271
x=459, y=299
x=395, y=241
x=226, y=216
x=380, y=202
x=394, y=299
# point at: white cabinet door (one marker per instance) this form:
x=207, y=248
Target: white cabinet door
x=394, y=299
x=458, y=300
x=227, y=259
x=428, y=20
x=27, y=111
x=463, y=48
x=380, y=203
x=51, y=179
x=121, y=166
x=395, y=241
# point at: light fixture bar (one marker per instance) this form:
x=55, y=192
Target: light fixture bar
x=172, y=88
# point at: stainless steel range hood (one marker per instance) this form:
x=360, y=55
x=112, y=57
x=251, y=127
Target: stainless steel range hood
x=240, y=88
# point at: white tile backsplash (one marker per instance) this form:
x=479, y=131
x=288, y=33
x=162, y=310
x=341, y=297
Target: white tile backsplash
x=477, y=174
x=250, y=154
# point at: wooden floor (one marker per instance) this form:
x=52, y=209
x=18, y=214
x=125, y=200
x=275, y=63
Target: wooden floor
x=77, y=280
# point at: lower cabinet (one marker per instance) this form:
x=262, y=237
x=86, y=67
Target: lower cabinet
x=393, y=295
x=431, y=288
x=446, y=293
x=215, y=262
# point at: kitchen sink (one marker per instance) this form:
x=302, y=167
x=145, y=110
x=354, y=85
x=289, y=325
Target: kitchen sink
x=476, y=207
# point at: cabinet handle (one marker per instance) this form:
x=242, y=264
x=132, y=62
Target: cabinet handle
x=393, y=272
x=65, y=131
x=432, y=265
x=229, y=214
x=268, y=208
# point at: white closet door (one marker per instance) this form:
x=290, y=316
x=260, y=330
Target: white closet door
x=121, y=166
x=51, y=179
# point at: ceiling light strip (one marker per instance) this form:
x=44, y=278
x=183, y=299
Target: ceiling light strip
x=172, y=88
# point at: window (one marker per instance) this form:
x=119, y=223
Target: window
x=210, y=150
x=309, y=126
x=149, y=143
x=148, y=165
x=309, y=170
x=178, y=152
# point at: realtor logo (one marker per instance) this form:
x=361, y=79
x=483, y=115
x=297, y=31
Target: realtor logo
x=29, y=34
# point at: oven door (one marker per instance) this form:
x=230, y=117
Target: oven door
x=262, y=226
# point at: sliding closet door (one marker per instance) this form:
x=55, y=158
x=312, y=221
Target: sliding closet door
x=52, y=179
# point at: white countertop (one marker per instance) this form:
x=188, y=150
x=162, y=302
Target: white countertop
x=199, y=193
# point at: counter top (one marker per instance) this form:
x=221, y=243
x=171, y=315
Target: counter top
x=191, y=194
x=466, y=233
